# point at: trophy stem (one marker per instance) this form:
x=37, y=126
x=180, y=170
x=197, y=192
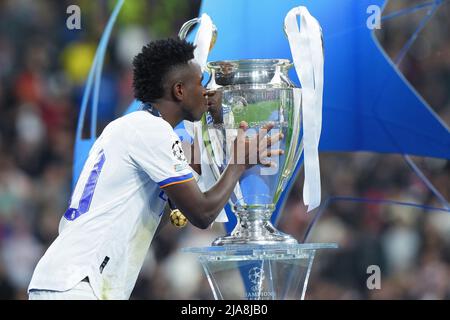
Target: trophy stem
x=254, y=227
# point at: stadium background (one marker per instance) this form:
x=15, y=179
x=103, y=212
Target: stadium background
x=43, y=66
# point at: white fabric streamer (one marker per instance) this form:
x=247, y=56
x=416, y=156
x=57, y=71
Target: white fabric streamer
x=203, y=41
x=307, y=53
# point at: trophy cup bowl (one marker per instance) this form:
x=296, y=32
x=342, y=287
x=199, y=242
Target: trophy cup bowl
x=256, y=91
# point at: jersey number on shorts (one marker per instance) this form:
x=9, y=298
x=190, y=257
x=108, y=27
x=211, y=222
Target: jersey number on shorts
x=88, y=191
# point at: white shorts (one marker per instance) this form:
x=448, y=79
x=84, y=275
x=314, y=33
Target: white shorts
x=82, y=291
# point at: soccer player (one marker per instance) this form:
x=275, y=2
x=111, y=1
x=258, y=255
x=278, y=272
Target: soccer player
x=135, y=165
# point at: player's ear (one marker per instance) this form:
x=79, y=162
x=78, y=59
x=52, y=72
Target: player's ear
x=178, y=91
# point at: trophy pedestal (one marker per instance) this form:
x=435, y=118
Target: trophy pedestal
x=269, y=236
x=258, y=272
x=254, y=227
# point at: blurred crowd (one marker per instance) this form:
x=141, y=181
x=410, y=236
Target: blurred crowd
x=43, y=67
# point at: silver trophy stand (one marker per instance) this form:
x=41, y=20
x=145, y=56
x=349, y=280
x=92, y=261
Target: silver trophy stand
x=258, y=272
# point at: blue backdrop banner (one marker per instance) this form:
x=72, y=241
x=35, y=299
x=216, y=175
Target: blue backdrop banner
x=368, y=105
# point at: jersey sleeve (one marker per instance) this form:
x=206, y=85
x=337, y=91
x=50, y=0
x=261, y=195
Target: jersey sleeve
x=159, y=153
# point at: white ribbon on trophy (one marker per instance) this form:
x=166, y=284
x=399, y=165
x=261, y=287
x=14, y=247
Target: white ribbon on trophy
x=202, y=41
x=307, y=53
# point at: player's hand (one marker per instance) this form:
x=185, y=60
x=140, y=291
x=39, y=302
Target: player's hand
x=249, y=151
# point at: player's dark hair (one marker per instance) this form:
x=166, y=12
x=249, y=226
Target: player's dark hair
x=151, y=66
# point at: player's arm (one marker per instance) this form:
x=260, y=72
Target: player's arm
x=202, y=208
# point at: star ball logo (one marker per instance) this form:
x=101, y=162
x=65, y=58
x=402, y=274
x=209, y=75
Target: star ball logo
x=256, y=275
x=178, y=151
x=257, y=290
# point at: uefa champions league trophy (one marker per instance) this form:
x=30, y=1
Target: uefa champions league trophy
x=257, y=92
x=264, y=262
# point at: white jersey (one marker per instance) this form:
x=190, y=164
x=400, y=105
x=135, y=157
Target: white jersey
x=115, y=208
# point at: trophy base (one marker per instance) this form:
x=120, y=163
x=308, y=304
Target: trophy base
x=269, y=236
x=230, y=240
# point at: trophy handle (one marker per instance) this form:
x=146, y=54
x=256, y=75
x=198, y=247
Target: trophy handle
x=210, y=151
x=182, y=34
x=293, y=155
x=184, y=30
x=203, y=49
